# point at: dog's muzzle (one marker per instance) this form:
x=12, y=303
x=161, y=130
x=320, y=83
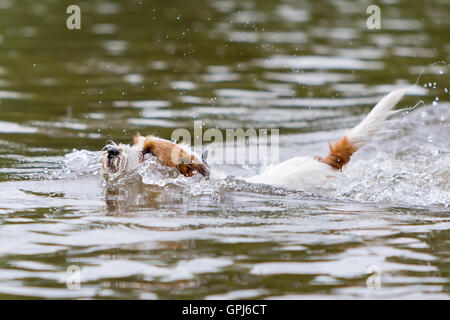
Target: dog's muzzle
x=111, y=161
x=112, y=152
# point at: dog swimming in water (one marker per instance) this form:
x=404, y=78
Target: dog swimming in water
x=298, y=173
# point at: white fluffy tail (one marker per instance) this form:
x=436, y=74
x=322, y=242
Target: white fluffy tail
x=375, y=120
x=356, y=138
x=305, y=173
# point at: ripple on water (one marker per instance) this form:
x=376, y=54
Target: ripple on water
x=318, y=63
x=11, y=127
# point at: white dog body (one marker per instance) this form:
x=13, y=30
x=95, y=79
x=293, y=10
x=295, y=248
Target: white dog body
x=299, y=173
x=305, y=173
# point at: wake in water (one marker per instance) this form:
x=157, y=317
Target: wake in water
x=410, y=166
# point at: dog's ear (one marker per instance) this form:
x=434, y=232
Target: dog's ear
x=172, y=155
x=188, y=165
x=189, y=169
x=202, y=169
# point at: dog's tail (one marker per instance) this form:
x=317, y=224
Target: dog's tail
x=356, y=138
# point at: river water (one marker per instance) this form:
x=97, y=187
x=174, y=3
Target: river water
x=308, y=68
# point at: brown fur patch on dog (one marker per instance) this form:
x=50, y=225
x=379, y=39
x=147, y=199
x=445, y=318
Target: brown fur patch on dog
x=340, y=153
x=172, y=155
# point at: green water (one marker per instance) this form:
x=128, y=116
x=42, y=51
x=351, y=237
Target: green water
x=308, y=68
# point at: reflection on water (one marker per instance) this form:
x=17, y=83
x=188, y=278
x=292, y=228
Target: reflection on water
x=309, y=68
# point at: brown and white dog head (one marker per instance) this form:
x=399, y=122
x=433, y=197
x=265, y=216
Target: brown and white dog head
x=124, y=159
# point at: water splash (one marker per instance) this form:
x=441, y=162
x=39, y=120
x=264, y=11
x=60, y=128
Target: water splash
x=78, y=163
x=410, y=167
x=387, y=178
